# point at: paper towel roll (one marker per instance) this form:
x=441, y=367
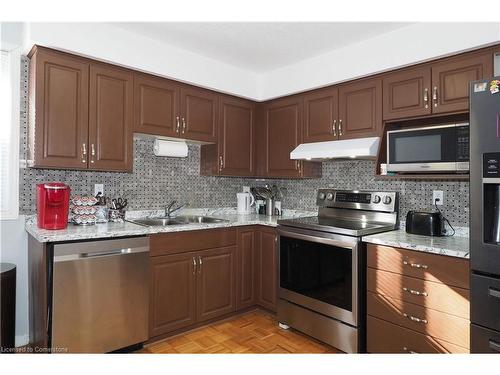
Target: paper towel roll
x=170, y=148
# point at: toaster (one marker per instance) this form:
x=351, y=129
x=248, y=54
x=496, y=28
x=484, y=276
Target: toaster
x=424, y=223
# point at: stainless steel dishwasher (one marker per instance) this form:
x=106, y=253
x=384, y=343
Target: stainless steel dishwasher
x=100, y=295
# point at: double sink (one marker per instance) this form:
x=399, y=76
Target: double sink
x=177, y=220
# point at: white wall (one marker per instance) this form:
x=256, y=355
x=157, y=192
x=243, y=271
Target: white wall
x=414, y=43
x=14, y=249
x=110, y=43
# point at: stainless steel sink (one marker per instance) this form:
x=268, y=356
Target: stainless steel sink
x=178, y=220
x=158, y=222
x=199, y=219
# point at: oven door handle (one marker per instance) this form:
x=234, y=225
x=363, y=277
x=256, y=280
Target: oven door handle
x=344, y=242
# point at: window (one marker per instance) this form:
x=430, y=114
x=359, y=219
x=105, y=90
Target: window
x=9, y=134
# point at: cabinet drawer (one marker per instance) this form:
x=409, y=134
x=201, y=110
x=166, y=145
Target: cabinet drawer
x=180, y=242
x=384, y=337
x=444, y=298
x=484, y=340
x=427, y=321
x=438, y=268
x=485, y=308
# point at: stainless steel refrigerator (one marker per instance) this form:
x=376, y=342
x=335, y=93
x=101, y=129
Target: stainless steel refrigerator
x=485, y=215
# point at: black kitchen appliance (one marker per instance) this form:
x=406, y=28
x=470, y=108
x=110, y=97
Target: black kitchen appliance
x=424, y=223
x=485, y=215
x=322, y=265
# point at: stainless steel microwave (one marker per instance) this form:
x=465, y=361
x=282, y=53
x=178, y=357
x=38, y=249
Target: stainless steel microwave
x=431, y=149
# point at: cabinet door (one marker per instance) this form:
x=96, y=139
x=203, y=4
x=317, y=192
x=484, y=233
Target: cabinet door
x=360, y=109
x=267, y=275
x=59, y=85
x=246, y=268
x=320, y=116
x=198, y=114
x=172, y=293
x=282, y=135
x=110, y=118
x=407, y=93
x=236, y=136
x=215, y=283
x=156, y=106
x=451, y=78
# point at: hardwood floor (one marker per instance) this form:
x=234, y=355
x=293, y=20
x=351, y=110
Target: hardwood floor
x=253, y=332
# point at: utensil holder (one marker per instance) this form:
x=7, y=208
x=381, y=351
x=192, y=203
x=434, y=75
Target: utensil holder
x=116, y=216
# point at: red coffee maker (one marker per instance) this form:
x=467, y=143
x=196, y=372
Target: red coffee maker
x=52, y=205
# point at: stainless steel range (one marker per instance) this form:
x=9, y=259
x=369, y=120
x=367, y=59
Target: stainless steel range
x=322, y=264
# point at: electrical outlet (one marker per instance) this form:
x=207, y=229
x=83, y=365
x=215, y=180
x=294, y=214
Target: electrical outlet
x=246, y=189
x=98, y=188
x=438, y=194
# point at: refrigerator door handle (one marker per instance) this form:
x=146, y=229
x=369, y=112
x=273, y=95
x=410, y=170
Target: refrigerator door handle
x=494, y=345
x=494, y=292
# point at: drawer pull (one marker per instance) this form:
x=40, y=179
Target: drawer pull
x=494, y=345
x=415, y=319
x=494, y=292
x=408, y=350
x=415, y=265
x=415, y=292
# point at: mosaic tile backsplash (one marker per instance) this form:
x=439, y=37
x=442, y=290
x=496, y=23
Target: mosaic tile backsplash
x=157, y=180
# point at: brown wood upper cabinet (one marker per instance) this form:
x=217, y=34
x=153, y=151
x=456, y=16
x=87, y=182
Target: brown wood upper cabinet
x=360, y=109
x=233, y=155
x=110, y=118
x=434, y=88
x=198, y=114
x=321, y=110
x=59, y=96
x=171, y=109
x=282, y=132
x=451, y=78
x=156, y=106
x=83, y=113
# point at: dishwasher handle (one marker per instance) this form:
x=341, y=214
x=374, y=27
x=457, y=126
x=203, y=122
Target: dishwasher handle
x=99, y=249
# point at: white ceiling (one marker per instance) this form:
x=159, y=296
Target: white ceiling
x=260, y=46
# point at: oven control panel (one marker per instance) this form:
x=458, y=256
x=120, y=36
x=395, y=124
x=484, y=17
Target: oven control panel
x=358, y=199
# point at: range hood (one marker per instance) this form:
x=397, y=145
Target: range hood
x=361, y=148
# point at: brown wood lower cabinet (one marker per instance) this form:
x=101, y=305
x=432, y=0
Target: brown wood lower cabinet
x=172, y=293
x=201, y=275
x=414, y=304
x=267, y=275
x=215, y=283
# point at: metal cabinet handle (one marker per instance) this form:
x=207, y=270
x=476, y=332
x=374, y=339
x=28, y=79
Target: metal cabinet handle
x=426, y=98
x=435, y=96
x=408, y=350
x=415, y=265
x=415, y=292
x=177, y=124
x=84, y=153
x=492, y=292
x=194, y=265
x=298, y=166
x=340, y=128
x=92, y=152
x=221, y=162
x=183, y=125
x=334, y=128
x=200, y=263
x=494, y=345
x=415, y=319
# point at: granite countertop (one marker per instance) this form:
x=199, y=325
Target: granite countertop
x=454, y=246
x=108, y=230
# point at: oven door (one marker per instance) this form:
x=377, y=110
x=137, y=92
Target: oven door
x=432, y=149
x=319, y=271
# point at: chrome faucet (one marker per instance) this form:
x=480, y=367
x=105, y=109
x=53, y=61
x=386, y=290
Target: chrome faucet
x=169, y=210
